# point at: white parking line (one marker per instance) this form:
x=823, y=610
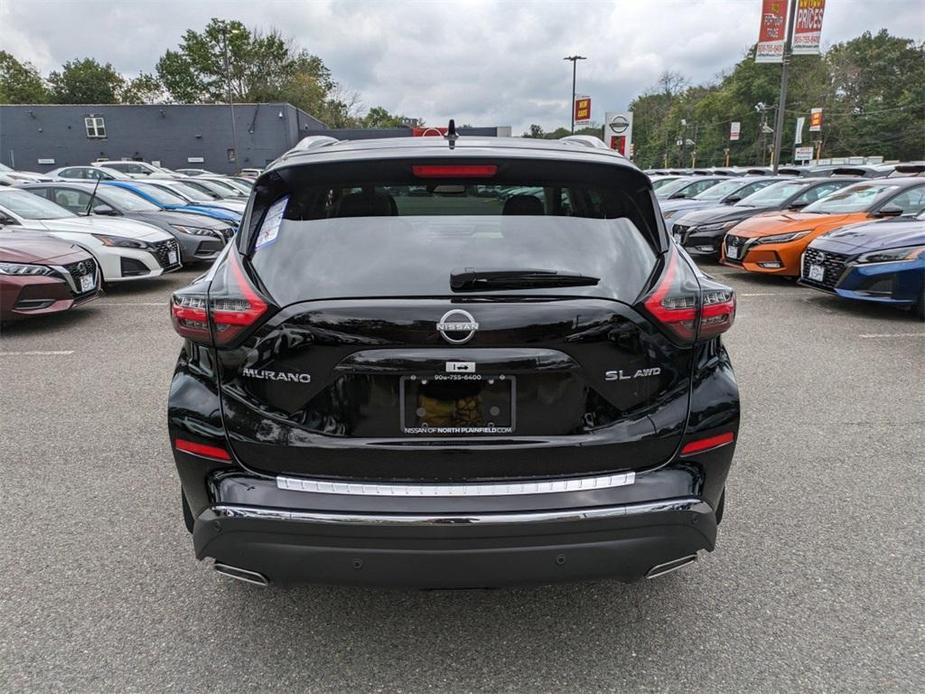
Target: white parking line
x=58, y=353
x=875, y=335
x=763, y=294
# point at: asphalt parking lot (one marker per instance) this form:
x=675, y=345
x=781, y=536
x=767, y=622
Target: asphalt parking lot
x=816, y=583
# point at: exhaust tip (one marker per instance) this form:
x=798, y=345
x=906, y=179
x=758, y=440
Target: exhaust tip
x=239, y=574
x=669, y=566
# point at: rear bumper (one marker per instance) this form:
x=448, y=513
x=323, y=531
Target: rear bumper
x=455, y=550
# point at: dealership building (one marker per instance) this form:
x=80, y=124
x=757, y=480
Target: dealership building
x=41, y=137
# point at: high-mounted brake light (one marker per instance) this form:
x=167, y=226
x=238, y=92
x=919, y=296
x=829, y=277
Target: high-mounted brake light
x=707, y=444
x=202, y=449
x=233, y=306
x=455, y=171
x=689, y=309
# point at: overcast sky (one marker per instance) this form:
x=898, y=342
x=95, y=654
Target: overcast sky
x=482, y=62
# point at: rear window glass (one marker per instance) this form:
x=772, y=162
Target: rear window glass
x=406, y=238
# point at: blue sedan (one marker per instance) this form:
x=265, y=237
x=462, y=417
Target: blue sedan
x=168, y=201
x=881, y=261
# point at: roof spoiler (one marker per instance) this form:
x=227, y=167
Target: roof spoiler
x=586, y=141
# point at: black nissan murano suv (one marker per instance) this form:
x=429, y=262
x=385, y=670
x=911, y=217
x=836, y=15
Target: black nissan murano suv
x=452, y=362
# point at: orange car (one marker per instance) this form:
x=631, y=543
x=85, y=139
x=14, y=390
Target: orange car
x=773, y=243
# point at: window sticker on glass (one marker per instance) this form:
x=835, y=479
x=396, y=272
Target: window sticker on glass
x=270, y=227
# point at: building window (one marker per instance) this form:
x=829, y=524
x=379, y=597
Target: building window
x=96, y=127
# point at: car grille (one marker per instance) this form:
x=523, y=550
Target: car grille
x=833, y=264
x=78, y=269
x=738, y=243
x=161, y=251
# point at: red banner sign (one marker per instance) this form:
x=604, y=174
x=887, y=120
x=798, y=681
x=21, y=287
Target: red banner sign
x=807, y=31
x=773, y=32
x=582, y=109
x=428, y=132
x=815, y=120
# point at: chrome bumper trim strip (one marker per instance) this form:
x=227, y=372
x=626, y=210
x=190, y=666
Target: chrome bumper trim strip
x=579, y=484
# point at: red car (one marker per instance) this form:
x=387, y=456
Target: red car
x=40, y=274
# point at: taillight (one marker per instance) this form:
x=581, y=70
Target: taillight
x=201, y=449
x=690, y=309
x=455, y=171
x=231, y=306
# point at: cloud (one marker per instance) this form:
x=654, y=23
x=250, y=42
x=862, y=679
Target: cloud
x=482, y=62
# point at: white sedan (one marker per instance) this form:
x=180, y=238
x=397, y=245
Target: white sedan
x=125, y=249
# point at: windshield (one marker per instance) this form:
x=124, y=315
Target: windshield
x=721, y=190
x=673, y=187
x=160, y=195
x=124, y=200
x=221, y=187
x=192, y=191
x=773, y=195
x=856, y=198
x=29, y=206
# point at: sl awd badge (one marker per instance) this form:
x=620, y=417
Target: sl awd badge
x=618, y=375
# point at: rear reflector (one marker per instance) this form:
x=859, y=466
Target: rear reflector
x=456, y=171
x=202, y=449
x=701, y=445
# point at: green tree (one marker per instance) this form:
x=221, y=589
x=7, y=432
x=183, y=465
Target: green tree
x=144, y=89
x=86, y=82
x=535, y=131
x=378, y=117
x=254, y=66
x=20, y=83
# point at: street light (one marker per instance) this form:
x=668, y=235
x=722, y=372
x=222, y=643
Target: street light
x=226, y=32
x=574, y=59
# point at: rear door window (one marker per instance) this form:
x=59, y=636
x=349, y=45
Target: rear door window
x=403, y=235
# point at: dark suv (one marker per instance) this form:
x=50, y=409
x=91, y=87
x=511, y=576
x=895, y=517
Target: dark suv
x=452, y=362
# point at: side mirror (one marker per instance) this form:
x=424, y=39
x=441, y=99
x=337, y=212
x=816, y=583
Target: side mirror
x=890, y=211
x=798, y=205
x=105, y=210
x=4, y=219
x=732, y=199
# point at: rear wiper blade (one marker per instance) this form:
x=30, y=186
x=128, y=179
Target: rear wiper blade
x=472, y=279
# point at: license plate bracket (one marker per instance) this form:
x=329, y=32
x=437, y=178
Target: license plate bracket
x=732, y=252
x=816, y=273
x=87, y=283
x=457, y=404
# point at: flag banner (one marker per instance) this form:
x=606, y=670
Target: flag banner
x=815, y=120
x=582, y=110
x=807, y=31
x=798, y=134
x=735, y=130
x=773, y=31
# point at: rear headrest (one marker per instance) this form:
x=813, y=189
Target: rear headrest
x=523, y=204
x=367, y=205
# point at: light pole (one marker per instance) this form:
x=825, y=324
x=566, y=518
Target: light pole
x=234, y=127
x=782, y=103
x=574, y=59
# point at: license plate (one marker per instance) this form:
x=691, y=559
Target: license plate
x=87, y=282
x=732, y=252
x=457, y=404
x=816, y=273
x=171, y=257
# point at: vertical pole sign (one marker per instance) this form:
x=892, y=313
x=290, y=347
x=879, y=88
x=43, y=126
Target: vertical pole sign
x=773, y=32
x=807, y=32
x=582, y=110
x=735, y=130
x=618, y=132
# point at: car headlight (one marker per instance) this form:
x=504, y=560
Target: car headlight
x=119, y=241
x=195, y=231
x=782, y=238
x=892, y=255
x=718, y=226
x=24, y=269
